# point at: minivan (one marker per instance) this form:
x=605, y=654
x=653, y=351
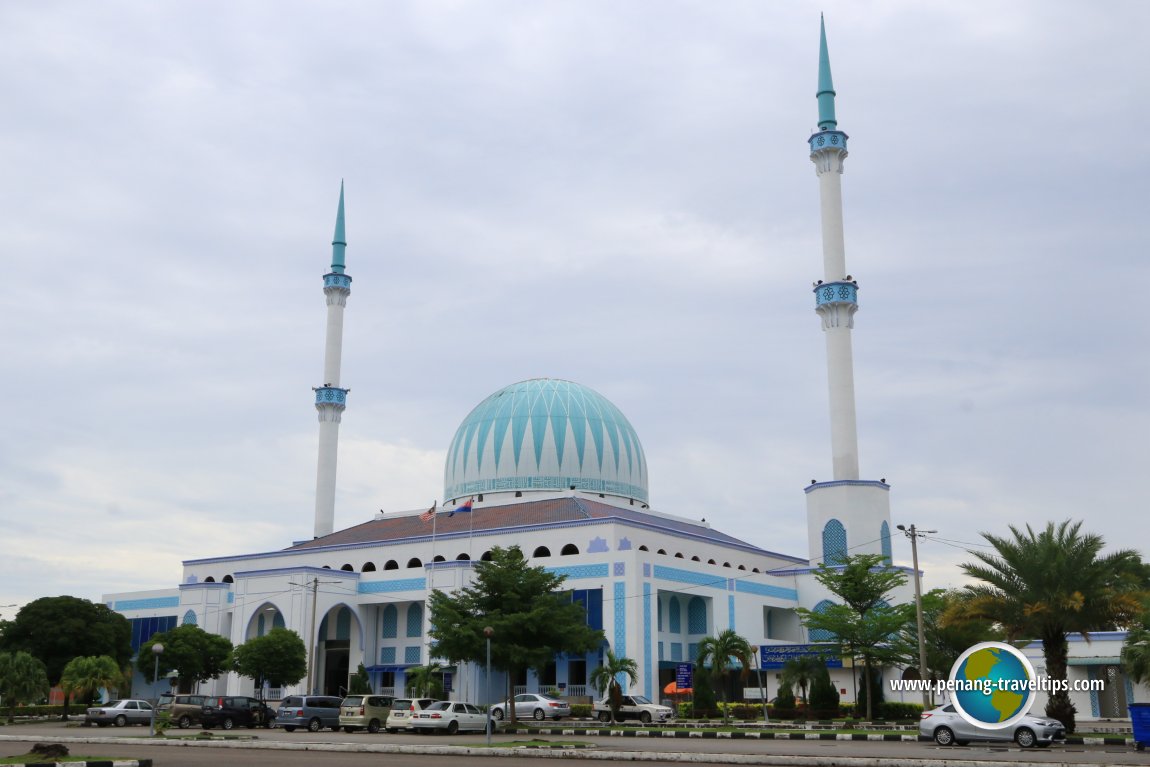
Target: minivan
x=183, y=710
x=313, y=712
x=364, y=712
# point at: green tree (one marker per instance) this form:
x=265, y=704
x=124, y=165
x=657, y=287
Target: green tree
x=865, y=624
x=360, y=682
x=719, y=652
x=193, y=653
x=802, y=670
x=1051, y=583
x=84, y=676
x=824, y=702
x=278, y=658
x=785, y=701
x=426, y=681
x=58, y=629
x=606, y=678
x=22, y=680
x=1136, y=648
x=531, y=620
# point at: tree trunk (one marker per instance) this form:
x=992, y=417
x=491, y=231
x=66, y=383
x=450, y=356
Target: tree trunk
x=869, y=689
x=1055, y=651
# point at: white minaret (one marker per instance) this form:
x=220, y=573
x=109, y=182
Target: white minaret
x=331, y=399
x=845, y=515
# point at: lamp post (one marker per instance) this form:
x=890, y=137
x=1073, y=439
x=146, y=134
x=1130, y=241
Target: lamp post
x=914, y=534
x=157, y=651
x=488, y=632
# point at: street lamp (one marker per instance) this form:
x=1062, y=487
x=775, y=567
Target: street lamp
x=914, y=534
x=157, y=650
x=488, y=632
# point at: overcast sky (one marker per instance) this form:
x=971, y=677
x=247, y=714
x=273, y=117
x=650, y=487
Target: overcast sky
x=614, y=193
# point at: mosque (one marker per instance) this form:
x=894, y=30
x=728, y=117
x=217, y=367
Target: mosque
x=553, y=467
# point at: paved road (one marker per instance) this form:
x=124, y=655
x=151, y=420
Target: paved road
x=276, y=747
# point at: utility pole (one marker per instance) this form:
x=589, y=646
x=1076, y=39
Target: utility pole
x=914, y=534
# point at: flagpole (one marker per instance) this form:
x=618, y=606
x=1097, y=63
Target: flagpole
x=434, y=519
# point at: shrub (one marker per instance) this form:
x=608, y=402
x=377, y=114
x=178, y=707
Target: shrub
x=824, y=703
x=896, y=710
x=581, y=710
x=785, y=703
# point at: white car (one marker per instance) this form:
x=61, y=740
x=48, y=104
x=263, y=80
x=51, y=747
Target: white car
x=947, y=727
x=450, y=716
x=633, y=707
x=403, y=711
x=535, y=706
x=119, y=713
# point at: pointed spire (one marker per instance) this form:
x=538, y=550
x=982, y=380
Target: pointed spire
x=826, y=92
x=339, y=241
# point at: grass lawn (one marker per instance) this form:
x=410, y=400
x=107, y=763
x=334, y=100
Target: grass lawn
x=36, y=758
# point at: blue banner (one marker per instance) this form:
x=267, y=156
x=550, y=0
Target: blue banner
x=776, y=656
x=683, y=676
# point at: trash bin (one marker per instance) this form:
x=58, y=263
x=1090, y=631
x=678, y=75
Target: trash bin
x=1140, y=721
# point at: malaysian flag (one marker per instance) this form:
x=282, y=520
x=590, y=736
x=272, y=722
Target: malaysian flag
x=429, y=515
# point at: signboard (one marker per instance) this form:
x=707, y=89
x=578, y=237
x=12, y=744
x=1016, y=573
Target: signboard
x=776, y=656
x=683, y=676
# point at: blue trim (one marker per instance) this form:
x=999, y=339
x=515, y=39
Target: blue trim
x=151, y=603
x=337, y=281
x=828, y=140
x=331, y=395
x=620, y=619
x=647, y=641
x=382, y=587
x=575, y=572
x=765, y=590
x=730, y=612
x=665, y=573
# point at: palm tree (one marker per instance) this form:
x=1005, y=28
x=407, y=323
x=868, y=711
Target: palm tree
x=719, y=651
x=606, y=679
x=23, y=679
x=422, y=678
x=86, y=675
x=1136, y=650
x=1048, y=584
x=803, y=670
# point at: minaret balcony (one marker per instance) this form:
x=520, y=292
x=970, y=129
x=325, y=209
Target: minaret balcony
x=828, y=139
x=331, y=396
x=338, y=281
x=836, y=293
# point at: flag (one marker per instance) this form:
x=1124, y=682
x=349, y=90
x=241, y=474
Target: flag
x=428, y=515
x=464, y=509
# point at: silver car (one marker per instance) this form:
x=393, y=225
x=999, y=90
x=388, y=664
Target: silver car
x=119, y=713
x=535, y=706
x=947, y=727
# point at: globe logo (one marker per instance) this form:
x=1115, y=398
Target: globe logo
x=993, y=685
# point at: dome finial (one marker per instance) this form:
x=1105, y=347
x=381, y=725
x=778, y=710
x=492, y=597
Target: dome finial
x=339, y=241
x=826, y=92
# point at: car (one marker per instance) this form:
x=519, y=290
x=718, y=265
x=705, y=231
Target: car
x=402, y=711
x=183, y=710
x=364, y=712
x=533, y=705
x=120, y=713
x=229, y=711
x=450, y=716
x=313, y=712
x=947, y=727
x=633, y=707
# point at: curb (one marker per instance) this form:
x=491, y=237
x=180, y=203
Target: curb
x=93, y=763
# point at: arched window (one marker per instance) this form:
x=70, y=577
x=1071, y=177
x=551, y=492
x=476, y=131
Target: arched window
x=662, y=551
x=696, y=616
x=391, y=564
x=884, y=534
x=644, y=548
x=229, y=579
x=189, y=618
x=415, y=620
x=569, y=550
x=542, y=551
x=327, y=567
x=209, y=579
x=726, y=564
x=754, y=570
x=834, y=542
x=696, y=558
x=678, y=555
x=368, y=567
x=711, y=562
x=742, y=567
x=674, y=619
x=486, y=557
x=439, y=558
x=463, y=556
x=348, y=568
x=390, y=622
x=414, y=562
x=821, y=635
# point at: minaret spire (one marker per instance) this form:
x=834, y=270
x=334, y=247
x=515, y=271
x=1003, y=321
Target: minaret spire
x=826, y=92
x=331, y=398
x=846, y=514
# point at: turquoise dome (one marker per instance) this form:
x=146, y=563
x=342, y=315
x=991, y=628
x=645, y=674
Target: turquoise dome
x=545, y=434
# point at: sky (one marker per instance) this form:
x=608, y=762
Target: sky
x=618, y=194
